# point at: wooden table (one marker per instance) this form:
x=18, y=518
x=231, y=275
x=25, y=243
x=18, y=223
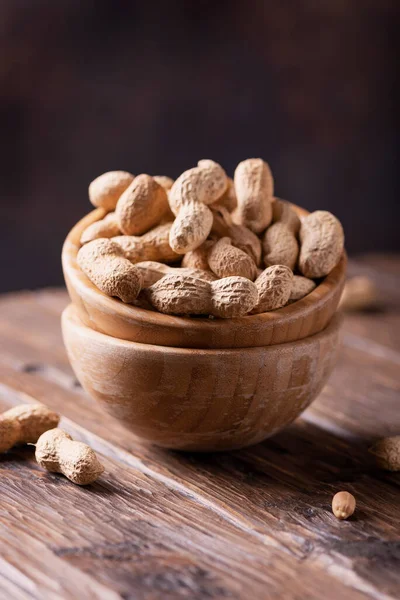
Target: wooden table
x=249, y=524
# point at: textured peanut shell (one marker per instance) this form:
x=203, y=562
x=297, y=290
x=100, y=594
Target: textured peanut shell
x=153, y=245
x=283, y=213
x=228, y=199
x=322, y=242
x=226, y=261
x=198, y=259
x=24, y=424
x=153, y=271
x=103, y=262
x=205, y=184
x=142, y=206
x=241, y=236
x=165, y=181
x=190, y=228
x=254, y=188
x=177, y=294
x=280, y=246
x=233, y=297
x=274, y=286
x=301, y=287
x=57, y=452
x=106, y=228
x=105, y=190
x=387, y=453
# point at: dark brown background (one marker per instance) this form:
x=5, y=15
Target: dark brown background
x=154, y=86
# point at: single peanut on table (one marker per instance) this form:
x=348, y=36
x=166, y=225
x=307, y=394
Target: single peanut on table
x=24, y=424
x=57, y=452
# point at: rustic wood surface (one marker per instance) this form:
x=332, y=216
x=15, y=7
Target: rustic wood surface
x=254, y=523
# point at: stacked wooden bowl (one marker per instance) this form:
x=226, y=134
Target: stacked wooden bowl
x=198, y=383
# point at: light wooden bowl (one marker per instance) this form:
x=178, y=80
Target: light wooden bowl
x=109, y=315
x=200, y=399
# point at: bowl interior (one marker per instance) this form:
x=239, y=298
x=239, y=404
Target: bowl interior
x=112, y=317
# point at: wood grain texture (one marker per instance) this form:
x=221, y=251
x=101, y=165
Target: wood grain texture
x=254, y=523
x=200, y=399
x=110, y=316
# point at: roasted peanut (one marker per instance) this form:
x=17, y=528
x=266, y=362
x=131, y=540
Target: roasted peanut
x=387, y=453
x=274, y=286
x=153, y=271
x=241, y=236
x=105, y=190
x=57, y=452
x=106, y=228
x=280, y=246
x=183, y=295
x=226, y=261
x=24, y=424
x=282, y=212
x=343, y=505
x=254, y=187
x=142, y=206
x=104, y=263
x=188, y=198
x=153, y=245
x=198, y=259
x=164, y=181
x=228, y=199
x=322, y=242
x=302, y=286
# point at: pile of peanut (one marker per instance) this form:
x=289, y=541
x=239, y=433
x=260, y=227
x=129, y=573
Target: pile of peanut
x=234, y=249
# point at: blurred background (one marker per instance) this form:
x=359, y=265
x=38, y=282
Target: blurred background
x=87, y=87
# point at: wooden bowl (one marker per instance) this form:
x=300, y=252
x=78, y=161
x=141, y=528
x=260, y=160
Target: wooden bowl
x=111, y=316
x=200, y=400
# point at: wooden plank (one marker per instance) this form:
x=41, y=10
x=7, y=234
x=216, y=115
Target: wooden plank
x=274, y=498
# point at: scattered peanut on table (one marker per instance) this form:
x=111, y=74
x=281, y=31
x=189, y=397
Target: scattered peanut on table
x=343, y=505
x=206, y=244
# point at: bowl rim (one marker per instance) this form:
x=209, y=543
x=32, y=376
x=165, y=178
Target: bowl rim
x=71, y=315
x=246, y=328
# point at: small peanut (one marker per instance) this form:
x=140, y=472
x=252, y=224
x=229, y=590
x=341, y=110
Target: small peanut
x=104, y=263
x=360, y=293
x=153, y=271
x=254, y=188
x=226, y=261
x=280, y=246
x=24, y=424
x=241, y=236
x=188, y=198
x=57, y=452
x=153, y=245
x=106, y=228
x=142, y=205
x=282, y=212
x=183, y=295
x=274, y=286
x=387, y=453
x=105, y=190
x=198, y=259
x=322, y=242
x=343, y=505
x=228, y=199
x=302, y=286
